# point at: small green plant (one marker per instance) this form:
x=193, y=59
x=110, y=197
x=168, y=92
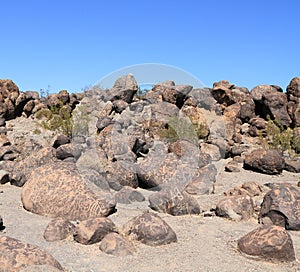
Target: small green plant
x=57, y=118
x=279, y=137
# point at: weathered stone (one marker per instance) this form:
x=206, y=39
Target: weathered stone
x=292, y=165
x=58, y=229
x=175, y=203
x=59, y=140
x=119, y=105
x=33, y=161
x=271, y=243
x=281, y=205
x=67, y=195
x=16, y=255
x=69, y=150
x=232, y=167
x=150, y=229
x=4, y=141
x=235, y=208
x=293, y=89
x=93, y=230
x=128, y=195
x=124, y=89
x=103, y=122
x=202, y=181
x=265, y=161
x=117, y=245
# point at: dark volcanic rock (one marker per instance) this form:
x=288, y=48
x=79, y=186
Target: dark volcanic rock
x=175, y=203
x=292, y=165
x=281, y=205
x=117, y=245
x=128, y=195
x=238, y=207
x=272, y=243
x=58, y=229
x=264, y=161
x=124, y=89
x=67, y=194
x=93, y=230
x=150, y=229
x=16, y=255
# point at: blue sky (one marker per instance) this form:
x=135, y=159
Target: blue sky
x=72, y=44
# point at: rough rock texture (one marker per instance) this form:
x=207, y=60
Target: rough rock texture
x=174, y=202
x=58, y=229
x=34, y=160
x=250, y=188
x=265, y=161
x=124, y=89
x=117, y=245
x=93, y=230
x=67, y=195
x=292, y=165
x=281, y=205
x=16, y=255
x=235, y=208
x=150, y=229
x=128, y=195
x=272, y=243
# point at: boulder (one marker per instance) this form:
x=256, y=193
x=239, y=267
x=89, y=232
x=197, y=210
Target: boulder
x=150, y=229
x=93, y=230
x=271, y=101
x=293, y=89
x=292, y=165
x=128, y=195
x=59, y=140
x=124, y=89
x=250, y=188
x=281, y=206
x=203, y=181
x=236, y=208
x=16, y=255
x=67, y=194
x=174, y=202
x=269, y=243
x=70, y=150
x=117, y=245
x=58, y=229
x=266, y=161
x=34, y=160
x=4, y=177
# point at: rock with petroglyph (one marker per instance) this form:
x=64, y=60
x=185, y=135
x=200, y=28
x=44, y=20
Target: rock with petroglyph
x=58, y=190
x=16, y=255
x=117, y=245
x=269, y=243
x=93, y=230
x=150, y=229
x=58, y=229
x=281, y=206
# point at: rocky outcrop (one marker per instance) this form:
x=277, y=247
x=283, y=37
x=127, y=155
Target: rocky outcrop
x=16, y=255
x=269, y=243
x=67, y=195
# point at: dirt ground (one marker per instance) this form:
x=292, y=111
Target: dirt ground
x=204, y=243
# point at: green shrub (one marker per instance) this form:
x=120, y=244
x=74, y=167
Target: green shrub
x=279, y=137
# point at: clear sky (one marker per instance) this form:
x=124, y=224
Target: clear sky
x=72, y=44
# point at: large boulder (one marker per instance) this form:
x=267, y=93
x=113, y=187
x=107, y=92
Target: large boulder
x=271, y=243
x=281, y=205
x=293, y=94
x=266, y=161
x=58, y=190
x=124, y=89
x=150, y=229
x=16, y=255
x=271, y=101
